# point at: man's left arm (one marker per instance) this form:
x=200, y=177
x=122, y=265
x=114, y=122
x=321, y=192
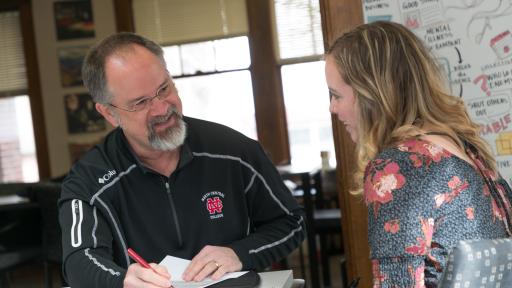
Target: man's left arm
x=276, y=226
x=277, y=221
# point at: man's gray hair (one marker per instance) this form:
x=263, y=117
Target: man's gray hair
x=93, y=68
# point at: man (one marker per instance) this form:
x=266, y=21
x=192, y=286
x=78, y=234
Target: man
x=165, y=184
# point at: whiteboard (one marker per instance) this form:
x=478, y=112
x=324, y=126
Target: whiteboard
x=472, y=41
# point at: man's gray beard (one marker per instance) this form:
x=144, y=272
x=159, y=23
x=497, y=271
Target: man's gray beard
x=173, y=137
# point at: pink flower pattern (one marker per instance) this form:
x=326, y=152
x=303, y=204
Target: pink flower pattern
x=470, y=213
x=392, y=226
x=380, y=186
x=456, y=186
x=392, y=181
x=422, y=152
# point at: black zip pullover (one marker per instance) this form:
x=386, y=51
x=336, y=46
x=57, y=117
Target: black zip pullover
x=224, y=192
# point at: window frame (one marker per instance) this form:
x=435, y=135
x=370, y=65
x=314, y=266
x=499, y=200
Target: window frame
x=33, y=91
x=265, y=68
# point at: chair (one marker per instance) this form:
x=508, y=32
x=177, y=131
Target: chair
x=20, y=240
x=326, y=219
x=321, y=219
x=479, y=263
x=46, y=194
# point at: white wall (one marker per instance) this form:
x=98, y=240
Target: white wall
x=52, y=91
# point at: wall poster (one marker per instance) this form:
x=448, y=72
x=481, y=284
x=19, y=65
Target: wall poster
x=472, y=41
x=73, y=19
x=70, y=64
x=81, y=115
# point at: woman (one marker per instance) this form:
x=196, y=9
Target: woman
x=428, y=178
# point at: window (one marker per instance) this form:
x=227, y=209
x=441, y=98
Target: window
x=214, y=81
x=206, y=49
x=209, y=97
x=18, y=161
x=299, y=28
x=208, y=59
x=300, y=46
x=309, y=122
x=208, y=56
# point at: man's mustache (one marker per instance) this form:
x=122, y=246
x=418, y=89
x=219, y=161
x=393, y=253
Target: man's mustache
x=172, y=111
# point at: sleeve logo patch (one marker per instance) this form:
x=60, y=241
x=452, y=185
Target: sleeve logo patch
x=106, y=177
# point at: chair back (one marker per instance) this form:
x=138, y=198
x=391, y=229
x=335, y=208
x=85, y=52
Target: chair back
x=47, y=195
x=479, y=263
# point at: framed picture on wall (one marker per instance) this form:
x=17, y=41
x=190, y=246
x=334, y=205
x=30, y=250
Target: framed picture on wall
x=77, y=150
x=81, y=115
x=70, y=64
x=73, y=19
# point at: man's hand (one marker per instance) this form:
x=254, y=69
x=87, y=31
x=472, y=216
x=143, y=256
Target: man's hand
x=140, y=277
x=212, y=260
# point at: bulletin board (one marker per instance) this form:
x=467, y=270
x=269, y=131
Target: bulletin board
x=472, y=42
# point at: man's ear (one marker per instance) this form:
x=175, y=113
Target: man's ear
x=107, y=113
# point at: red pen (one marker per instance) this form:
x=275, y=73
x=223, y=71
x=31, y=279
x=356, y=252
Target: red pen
x=140, y=260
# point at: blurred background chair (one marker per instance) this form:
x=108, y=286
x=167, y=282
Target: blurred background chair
x=46, y=194
x=479, y=263
x=20, y=237
x=316, y=191
x=31, y=230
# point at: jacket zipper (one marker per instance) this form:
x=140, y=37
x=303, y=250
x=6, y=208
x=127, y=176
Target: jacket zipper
x=174, y=214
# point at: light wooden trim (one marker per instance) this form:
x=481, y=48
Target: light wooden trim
x=266, y=83
x=337, y=16
x=123, y=10
x=34, y=89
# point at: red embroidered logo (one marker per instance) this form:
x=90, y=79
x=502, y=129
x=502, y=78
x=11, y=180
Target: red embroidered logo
x=213, y=201
x=214, y=205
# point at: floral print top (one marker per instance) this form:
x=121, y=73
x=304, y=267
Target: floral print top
x=421, y=201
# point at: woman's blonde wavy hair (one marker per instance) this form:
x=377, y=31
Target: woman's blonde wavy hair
x=398, y=87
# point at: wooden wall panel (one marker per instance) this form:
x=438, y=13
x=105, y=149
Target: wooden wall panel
x=34, y=89
x=124, y=16
x=339, y=16
x=266, y=83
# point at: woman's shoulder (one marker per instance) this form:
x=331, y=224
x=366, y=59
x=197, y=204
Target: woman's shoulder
x=415, y=150
x=406, y=166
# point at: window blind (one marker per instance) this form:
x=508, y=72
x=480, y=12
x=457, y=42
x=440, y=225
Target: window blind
x=13, y=78
x=180, y=21
x=298, y=28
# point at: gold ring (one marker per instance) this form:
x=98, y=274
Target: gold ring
x=216, y=264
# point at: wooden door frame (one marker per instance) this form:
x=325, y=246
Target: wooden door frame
x=339, y=16
x=24, y=7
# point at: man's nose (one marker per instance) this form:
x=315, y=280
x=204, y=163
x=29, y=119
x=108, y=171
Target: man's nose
x=158, y=106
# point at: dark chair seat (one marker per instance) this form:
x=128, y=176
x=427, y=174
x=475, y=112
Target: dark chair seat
x=327, y=218
x=20, y=237
x=15, y=257
x=46, y=234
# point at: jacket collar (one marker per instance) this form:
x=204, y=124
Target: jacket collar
x=185, y=154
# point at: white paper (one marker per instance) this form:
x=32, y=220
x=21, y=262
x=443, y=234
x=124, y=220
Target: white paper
x=176, y=266
x=12, y=199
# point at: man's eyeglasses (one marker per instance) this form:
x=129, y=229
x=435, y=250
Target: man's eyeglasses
x=162, y=93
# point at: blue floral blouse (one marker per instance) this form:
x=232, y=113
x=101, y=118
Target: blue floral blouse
x=421, y=201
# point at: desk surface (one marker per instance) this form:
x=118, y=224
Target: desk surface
x=15, y=202
x=277, y=279
x=273, y=279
